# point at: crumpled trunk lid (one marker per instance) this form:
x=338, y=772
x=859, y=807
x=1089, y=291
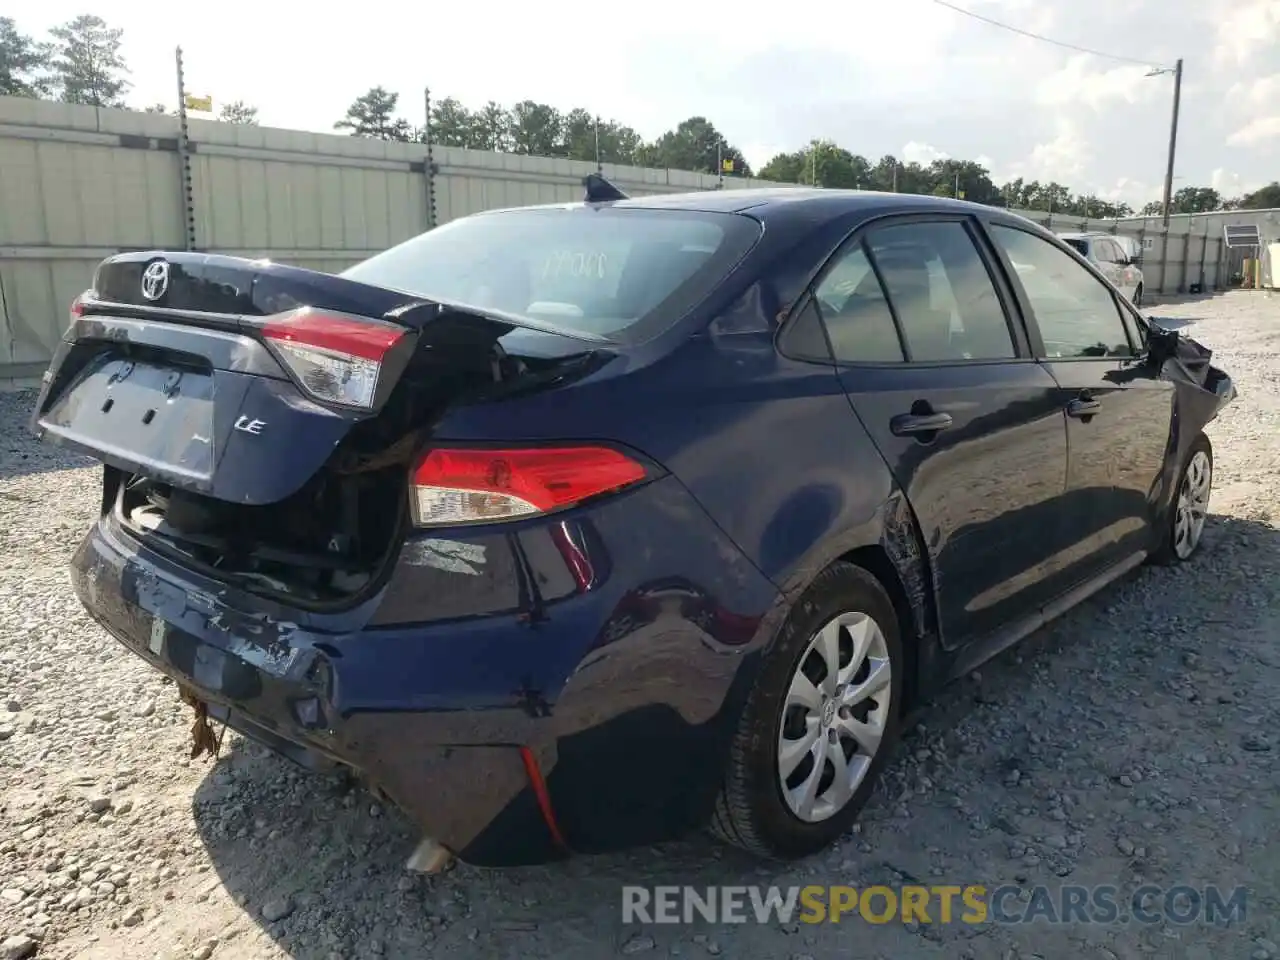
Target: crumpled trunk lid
x=183, y=388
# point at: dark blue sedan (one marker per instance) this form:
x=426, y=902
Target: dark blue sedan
x=586, y=525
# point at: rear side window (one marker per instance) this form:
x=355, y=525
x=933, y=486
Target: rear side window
x=622, y=274
x=857, y=315
x=1080, y=246
x=1076, y=312
x=939, y=286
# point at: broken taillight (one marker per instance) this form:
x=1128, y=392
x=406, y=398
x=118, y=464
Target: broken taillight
x=334, y=357
x=453, y=486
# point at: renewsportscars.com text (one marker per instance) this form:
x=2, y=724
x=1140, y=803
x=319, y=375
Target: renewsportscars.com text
x=973, y=904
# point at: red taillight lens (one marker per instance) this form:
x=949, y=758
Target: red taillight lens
x=476, y=486
x=335, y=358
x=77, y=308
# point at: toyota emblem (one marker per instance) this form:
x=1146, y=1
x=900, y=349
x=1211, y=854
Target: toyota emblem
x=155, y=280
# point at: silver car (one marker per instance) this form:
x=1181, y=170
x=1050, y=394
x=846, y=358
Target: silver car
x=1109, y=255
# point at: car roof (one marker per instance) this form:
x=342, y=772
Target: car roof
x=766, y=203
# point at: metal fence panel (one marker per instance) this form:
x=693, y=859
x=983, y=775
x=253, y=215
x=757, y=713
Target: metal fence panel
x=78, y=184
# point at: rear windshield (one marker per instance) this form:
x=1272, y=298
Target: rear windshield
x=1081, y=246
x=617, y=273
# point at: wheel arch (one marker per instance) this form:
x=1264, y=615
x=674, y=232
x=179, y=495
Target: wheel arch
x=898, y=560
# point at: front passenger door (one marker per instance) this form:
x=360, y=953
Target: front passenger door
x=1119, y=411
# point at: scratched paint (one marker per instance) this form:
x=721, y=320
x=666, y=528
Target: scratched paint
x=451, y=556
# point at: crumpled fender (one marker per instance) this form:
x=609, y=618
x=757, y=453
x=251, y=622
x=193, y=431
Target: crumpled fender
x=1188, y=362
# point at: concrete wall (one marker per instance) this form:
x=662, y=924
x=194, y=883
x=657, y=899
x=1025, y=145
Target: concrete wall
x=78, y=184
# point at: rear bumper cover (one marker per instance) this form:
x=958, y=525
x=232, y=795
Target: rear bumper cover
x=435, y=714
x=283, y=692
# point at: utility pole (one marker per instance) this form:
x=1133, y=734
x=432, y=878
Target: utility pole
x=895, y=176
x=1173, y=141
x=429, y=167
x=184, y=162
x=599, y=164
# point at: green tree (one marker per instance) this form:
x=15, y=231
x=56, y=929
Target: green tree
x=493, y=128
x=1264, y=199
x=22, y=63
x=239, y=112
x=372, y=115
x=577, y=135
x=1196, y=200
x=159, y=108
x=452, y=124
x=535, y=129
x=784, y=167
x=87, y=65
x=695, y=144
x=618, y=143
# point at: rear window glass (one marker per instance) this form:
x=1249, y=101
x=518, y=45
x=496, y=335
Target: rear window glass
x=1080, y=246
x=617, y=273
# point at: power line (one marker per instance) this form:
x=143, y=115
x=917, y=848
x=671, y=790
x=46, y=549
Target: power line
x=1044, y=39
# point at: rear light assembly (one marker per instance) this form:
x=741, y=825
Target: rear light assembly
x=77, y=308
x=455, y=486
x=334, y=357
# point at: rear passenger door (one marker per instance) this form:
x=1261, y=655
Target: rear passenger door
x=1119, y=411
x=970, y=426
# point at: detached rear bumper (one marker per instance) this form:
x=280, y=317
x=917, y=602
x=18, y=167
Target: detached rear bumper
x=459, y=775
x=623, y=690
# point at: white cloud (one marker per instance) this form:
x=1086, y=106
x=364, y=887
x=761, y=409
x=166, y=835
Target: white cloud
x=1244, y=29
x=1079, y=81
x=1256, y=131
x=1062, y=159
x=1261, y=93
x=1231, y=184
x=922, y=153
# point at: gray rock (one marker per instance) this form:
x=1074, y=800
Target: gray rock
x=17, y=948
x=638, y=944
x=277, y=909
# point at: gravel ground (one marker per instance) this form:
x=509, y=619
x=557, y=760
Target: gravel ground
x=1131, y=742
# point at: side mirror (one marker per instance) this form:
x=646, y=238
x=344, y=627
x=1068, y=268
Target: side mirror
x=1162, y=345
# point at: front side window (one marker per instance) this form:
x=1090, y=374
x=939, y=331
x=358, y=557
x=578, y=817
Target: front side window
x=1076, y=312
x=942, y=293
x=616, y=273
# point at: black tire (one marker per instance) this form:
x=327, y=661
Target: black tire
x=751, y=812
x=1166, y=552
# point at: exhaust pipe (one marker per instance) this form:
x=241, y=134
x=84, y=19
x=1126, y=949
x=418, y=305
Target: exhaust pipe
x=430, y=856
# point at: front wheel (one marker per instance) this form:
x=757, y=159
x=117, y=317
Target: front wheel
x=1184, y=525
x=819, y=723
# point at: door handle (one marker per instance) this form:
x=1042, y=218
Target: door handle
x=912, y=424
x=1083, y=408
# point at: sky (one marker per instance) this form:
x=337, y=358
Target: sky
x=907, y=77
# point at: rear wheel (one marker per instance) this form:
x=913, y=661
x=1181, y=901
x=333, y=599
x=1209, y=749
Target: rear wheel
x=1184, y=525
x=819, y=723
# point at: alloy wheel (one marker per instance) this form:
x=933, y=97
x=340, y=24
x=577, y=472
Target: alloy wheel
x=1193, y=505
x=834, y=716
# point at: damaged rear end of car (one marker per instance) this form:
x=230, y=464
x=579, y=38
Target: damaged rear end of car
x=347, y=517
x=258, y=422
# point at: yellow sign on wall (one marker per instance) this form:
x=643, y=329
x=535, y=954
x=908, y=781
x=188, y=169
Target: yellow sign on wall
x=199, y=104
